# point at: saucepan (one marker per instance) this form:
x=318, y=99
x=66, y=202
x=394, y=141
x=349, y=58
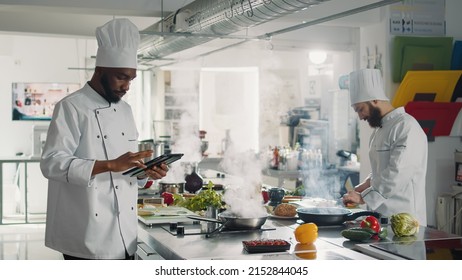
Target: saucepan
x=328, y=216
x=171, y=187
x=233, y=222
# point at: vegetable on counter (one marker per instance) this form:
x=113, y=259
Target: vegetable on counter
x=168, y=198
x=369, y=228
x=299, y=191
x=372, y=223
x=358, y=233
x=206, y=197
x=383, y=233
x=404, y=224
x=306, y=233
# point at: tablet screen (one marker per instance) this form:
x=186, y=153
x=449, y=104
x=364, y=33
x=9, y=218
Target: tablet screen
x=166, y=158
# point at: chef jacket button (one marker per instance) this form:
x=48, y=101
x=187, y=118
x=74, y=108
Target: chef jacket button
x=115, y=110
x=123, y=134
x=97, y=112
x=97, y=136
x=130, y=183
x=96, y=214
x=105, y=136
x=117, y=187
x=132, y=207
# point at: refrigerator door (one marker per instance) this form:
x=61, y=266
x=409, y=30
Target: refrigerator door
x=444, y=212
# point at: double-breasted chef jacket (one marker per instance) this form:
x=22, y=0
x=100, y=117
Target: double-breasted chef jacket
x=398, y=154
x=89, y=216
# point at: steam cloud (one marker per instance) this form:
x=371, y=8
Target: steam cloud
x=243, y=194
x=187, y=139
x=244, y=179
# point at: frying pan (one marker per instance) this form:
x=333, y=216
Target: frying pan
x=230, y=221
x=328, y=216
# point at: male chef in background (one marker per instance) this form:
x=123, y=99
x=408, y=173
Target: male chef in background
x=398, y=152
x=92, y=138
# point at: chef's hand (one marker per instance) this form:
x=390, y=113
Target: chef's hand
x=156, y=172
x=122, y=163
x=352, y=197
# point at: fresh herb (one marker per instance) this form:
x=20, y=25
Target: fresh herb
x=205, y=198
x=299, y=191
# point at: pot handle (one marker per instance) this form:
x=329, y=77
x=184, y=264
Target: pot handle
x=203, y=219
x=355, y=215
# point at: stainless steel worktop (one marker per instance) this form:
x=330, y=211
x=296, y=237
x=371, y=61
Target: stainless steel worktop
x=228, y=245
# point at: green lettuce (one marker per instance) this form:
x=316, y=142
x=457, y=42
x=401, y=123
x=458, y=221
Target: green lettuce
x=404, y=224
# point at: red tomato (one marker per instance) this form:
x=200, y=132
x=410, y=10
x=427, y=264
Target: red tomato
x=168, y=198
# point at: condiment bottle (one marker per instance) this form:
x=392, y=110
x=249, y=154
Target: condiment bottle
x=275, y=164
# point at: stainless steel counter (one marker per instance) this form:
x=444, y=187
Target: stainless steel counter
x=26, y=161
x=427, y=244
x=228, y=245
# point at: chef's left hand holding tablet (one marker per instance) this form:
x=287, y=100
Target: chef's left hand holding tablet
x=130, y=160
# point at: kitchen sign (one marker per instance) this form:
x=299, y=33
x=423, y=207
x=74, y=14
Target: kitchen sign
x=418, y=17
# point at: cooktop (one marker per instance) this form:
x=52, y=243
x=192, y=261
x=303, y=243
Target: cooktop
x=438, y=249
x=178, y=229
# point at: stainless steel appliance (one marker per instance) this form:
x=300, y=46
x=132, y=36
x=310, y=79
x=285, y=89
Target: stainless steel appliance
x=449, y=205
x=449, y=211
x=437, y=249
x=209, y=228
x=458, y=166
x=149, y=144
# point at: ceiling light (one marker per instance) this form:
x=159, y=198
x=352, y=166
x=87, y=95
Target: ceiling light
x=317, y=57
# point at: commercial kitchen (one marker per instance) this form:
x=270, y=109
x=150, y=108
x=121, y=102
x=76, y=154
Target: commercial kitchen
x=221, y=80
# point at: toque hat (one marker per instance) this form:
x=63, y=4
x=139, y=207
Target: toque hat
x=118, y=42
x=366, y=85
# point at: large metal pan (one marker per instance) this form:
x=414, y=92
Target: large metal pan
x=328, y=216
x=231, y=222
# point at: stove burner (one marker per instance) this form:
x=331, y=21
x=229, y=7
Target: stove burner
x=207, y=229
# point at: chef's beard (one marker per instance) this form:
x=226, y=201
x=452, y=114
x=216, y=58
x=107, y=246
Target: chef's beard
x=375, y=117
x=110, y=95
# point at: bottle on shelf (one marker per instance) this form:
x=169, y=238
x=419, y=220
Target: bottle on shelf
x=226, y=142
x=275, y=161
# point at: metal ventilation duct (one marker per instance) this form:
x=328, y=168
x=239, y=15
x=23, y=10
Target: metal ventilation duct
x=204, y=20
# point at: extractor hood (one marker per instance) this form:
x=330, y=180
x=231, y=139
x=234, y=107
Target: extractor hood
x=204, y=20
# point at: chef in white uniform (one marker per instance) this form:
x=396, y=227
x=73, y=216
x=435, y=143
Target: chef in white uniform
x=398, y=152
x=92, y=138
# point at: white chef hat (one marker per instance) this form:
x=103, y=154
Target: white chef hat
x=366, y=85
x=118, y=42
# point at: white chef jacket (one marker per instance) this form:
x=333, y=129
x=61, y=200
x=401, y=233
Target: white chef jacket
x=398, y=155
x=88, y=216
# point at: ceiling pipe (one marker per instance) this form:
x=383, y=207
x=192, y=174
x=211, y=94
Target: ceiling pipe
x=268, y=36
x=204, y=20
x=331, y=17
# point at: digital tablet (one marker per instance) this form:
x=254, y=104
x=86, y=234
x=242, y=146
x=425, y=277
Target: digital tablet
x=165, y=158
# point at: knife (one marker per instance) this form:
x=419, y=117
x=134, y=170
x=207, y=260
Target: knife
x=349, y=185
